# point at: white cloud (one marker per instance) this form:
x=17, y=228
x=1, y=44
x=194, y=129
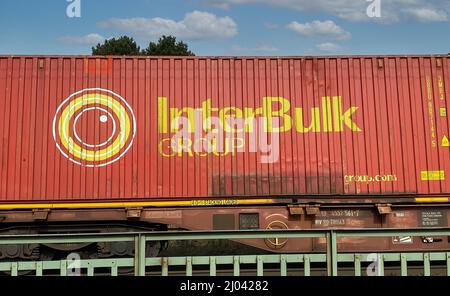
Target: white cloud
x=427, y=14
x=346, y=9
x=89, y=39
x=258, y=49
x=196, y=25
x=326, y=29
x=355, y=10
x=329, y=47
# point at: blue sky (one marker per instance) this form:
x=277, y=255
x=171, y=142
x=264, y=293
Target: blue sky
x=231, y=27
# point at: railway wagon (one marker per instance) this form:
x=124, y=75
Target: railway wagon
x=102, y=144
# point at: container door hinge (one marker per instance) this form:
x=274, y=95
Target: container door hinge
x=134, y=213
x=40, y=214
x=384, y=209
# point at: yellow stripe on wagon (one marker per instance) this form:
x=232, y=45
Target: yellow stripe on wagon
x=432, y=199
x=187, y=203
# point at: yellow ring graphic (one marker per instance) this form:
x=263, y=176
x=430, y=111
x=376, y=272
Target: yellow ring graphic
x=94, y=155
x=71, y=149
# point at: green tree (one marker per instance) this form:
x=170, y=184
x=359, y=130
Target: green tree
x=168, y=46
x=121, y=46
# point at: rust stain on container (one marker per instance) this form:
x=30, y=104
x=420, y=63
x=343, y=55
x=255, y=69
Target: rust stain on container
x=94, y=128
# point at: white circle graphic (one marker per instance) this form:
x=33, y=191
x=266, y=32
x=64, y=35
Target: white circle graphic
x=104, y=118
x=117, y=104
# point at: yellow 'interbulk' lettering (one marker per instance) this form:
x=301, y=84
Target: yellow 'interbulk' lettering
x=283, y=108
x=345, y=118
x=314, y=125
x=187, y=112
x=229, y=112
x=329, y=116
x=326, y=115
x=162, y=115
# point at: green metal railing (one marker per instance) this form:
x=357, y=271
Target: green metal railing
x=330, y=262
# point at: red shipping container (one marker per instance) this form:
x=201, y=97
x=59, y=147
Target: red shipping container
x=77, y=128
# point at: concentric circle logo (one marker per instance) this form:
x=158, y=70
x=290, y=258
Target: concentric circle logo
x=94, y=127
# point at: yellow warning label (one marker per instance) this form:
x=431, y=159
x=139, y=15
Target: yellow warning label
x=445, y=142
x=432, y=175
x=443, y=112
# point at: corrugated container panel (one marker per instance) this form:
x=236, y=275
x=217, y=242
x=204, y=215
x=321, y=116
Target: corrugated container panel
x=98, y=128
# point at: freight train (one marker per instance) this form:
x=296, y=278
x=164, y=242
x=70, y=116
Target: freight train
x=111, y=144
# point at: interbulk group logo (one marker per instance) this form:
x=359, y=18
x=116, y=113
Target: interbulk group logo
x=94, y=127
